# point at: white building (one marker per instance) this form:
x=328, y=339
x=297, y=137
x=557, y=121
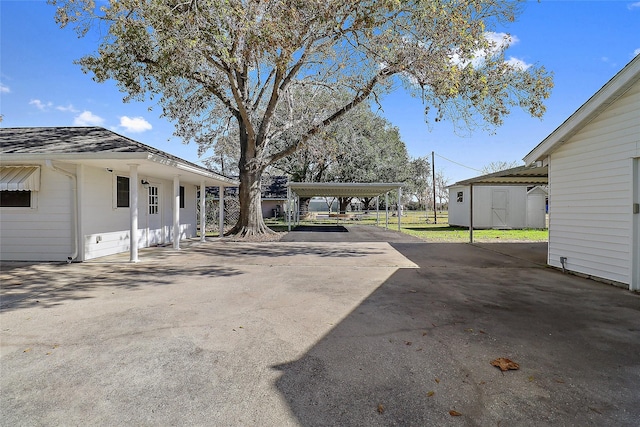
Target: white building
x=79, y=193
x=593, y=160
x=497, y=206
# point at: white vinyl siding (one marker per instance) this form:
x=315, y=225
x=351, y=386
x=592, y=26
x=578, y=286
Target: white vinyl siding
x=590, y=180
x=483, y=204
x=42, y=233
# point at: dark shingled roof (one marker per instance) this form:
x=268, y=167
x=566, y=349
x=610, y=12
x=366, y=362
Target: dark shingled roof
x=75, y=140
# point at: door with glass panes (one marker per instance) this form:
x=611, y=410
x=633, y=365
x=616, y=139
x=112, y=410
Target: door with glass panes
x=155, y=231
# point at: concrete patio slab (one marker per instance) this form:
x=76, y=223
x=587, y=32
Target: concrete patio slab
x=334, y=333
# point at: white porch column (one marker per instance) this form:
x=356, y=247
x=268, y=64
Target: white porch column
x=399, y=207
x=470, y=213
x=221, y=211
x=133, y=213
x=203, y=216
x=176, y=212
x=377, y=210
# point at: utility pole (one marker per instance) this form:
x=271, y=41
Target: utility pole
x=433, y=179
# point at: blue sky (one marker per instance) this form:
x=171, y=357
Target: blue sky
x=584, y=43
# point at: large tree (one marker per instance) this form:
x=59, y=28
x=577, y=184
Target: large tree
x=418, y=183
x=220, y=63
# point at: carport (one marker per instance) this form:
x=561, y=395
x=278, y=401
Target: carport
x=522, y=175
x=295, y=190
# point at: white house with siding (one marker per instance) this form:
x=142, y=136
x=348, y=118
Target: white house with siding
x=497, y=206
x=593, y=160
x=77, y=193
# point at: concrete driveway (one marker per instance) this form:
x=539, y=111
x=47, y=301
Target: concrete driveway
x=316, y=333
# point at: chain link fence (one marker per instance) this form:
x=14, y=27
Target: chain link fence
x=212, y=214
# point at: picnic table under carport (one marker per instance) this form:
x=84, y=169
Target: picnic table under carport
x=296, y=190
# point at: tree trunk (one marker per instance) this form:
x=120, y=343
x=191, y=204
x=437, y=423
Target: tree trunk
x=250, y=223
x=367, y=201
x=344, y=204
x=304, y=207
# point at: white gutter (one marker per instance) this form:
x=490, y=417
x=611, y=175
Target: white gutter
x=74, y=213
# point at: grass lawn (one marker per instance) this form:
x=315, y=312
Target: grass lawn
x=422, y=225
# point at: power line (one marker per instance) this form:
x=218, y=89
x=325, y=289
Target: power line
x=459, y=164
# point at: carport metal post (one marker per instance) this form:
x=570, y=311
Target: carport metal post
x=377, y=210
x=399, y=207
x=470, y=213
x=386, y=210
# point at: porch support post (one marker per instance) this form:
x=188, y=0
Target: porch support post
x=203, y=216
x=176, y=212
x=399, y=207
x=221, y=210
x=470, y=213
x=133, y=213
x=377, y=210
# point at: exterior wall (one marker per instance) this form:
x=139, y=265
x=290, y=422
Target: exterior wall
x=483, y=205
x=590, y=199
x=268, y=205
x=106, y=227
x=42, y=232
x=459, y=211
x=536, y=208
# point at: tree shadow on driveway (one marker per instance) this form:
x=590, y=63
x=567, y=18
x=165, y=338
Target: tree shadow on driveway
x=421, y=344
x=48, y=285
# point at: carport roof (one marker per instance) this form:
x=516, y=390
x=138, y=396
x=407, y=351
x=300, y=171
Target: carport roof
x=522, y=175
x=342, y=189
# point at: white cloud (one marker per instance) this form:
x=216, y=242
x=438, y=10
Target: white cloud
x=69, y=108
x=517, y=64
x=4, y=89
x=134, y=124
x=636, y=52
x=635, y=5
x=500, y=40
x=42, y=106
x=87, y=118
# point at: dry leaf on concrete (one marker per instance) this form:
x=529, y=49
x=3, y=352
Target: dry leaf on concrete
x=380, y=408
x=454, y=413
x=504, y=364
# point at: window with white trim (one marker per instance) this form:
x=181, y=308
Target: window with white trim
x=122, y=191
x=15, y=199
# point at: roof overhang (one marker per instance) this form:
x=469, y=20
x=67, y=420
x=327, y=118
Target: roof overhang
x=522, y=175
x=149, y=165
x=601, y=100
x=341, y=189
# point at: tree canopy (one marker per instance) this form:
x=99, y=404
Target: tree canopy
x=214, y=64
